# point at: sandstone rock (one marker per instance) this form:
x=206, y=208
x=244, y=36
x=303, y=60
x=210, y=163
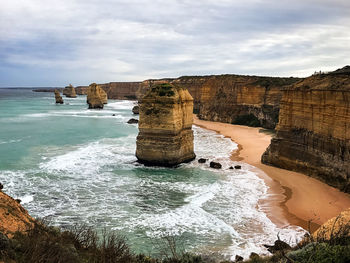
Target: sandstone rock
x=136, y=110
x=202, y=160
x=165, y=126
x=215, y=165
x=313, y=134
x=96, y=97
x=335, y=227
x=13, y=216
x=58, y=97
x=132, y=121
x=69, y=91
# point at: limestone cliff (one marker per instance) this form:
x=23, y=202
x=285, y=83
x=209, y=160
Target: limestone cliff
x=58, y=97
x=13, y=217
x=313, y=133
x=233, y=98
x=69, y=91
x=116, y=90
x=96, y=96
x=165, y=127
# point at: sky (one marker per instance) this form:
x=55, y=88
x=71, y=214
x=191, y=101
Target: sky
x=54, y=43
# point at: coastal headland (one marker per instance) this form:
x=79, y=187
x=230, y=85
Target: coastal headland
x=293, y=197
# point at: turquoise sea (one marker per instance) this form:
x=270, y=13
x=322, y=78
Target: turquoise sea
x=72, y=165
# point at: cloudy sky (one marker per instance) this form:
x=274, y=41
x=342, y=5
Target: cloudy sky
x=56, y=42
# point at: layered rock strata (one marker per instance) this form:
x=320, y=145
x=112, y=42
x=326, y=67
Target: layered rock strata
x=96, y=97
x=246, y=100
x=165, y=126
x=313, y=133
x=58, y=97
x=69, y=91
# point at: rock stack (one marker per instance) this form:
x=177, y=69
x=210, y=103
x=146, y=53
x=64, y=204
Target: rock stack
x=69, y=91
x=165, y=127
x=58, y=97
x=96, y=97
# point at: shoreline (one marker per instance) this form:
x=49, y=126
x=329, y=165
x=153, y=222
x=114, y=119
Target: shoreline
x=292, y=198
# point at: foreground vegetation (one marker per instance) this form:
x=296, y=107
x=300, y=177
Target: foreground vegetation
x=45, y=243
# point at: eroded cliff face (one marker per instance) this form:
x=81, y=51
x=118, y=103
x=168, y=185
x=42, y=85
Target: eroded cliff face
x=116, y=90
x=165, y=127
x=13, y=217
x=233, y=98
x=96, y=96
x=313, y=132
x=69, y=91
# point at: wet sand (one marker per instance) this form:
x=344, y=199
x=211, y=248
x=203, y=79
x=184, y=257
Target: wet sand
x=293, y=198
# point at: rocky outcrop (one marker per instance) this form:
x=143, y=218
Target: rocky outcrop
x=58, y=97
x=246, y=100
x=69, y=91
x=313, y=133
x=13, y=217
x=136, y=110
x=165, y=126
x=117, y=90
x=335, y=227
x=96, y=97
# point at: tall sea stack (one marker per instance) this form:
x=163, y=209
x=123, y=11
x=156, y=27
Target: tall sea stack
x=165, y=127
x=58, y=97
x=96, y=96
x=313, y=133
x=69, y=91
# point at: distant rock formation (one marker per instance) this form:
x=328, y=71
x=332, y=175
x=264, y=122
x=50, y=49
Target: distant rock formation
x=133, y=121
x=58, y=97
x=69, y=91
x=313, y=133
x=165, y=127
x=13, y=216
x=96, y=97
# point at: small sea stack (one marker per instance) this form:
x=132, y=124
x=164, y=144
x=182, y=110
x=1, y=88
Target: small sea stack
x=58, y=97
x=165, y=126
x=69, y=91
x=96, y=96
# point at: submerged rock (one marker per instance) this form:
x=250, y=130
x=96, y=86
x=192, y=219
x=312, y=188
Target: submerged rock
x=202, y=160
x=96, y=97
x=238, y=166
x=136, y=110
x=58, y=97
x=133, y=121
x=165, y=126
x=215, y=165
x=69, y=91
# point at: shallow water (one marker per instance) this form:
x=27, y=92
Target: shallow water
x=74, y=165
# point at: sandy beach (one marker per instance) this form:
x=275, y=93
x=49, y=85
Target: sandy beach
x=293, y=198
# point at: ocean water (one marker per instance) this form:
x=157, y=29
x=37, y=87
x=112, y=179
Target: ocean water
x=72, y=165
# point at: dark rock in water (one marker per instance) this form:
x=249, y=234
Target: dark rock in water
x=254, y=255
x=113, y=114
x=1, y=186
x=238, y=167
x=132, y=121
x=278, y=246
x=135, y=110
x=18, y=201
x=215, y=165
x=202, y=160
x=238, y=258
x=230, y=168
